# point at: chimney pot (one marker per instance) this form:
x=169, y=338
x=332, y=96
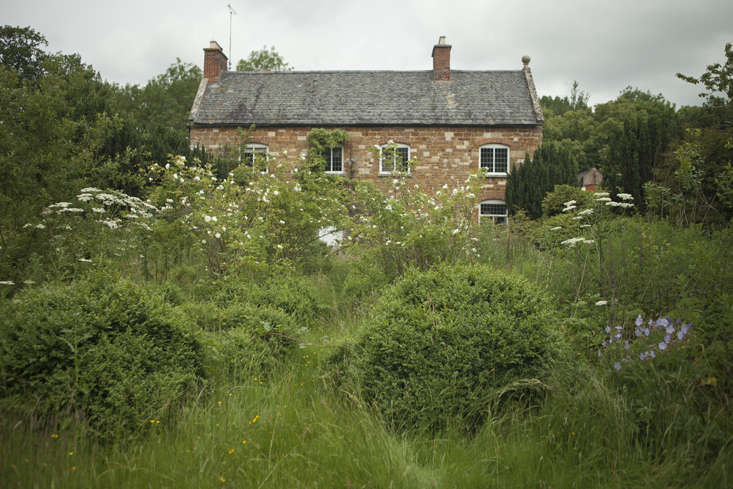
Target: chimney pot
x=441, y=60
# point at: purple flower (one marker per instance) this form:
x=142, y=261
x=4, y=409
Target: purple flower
x=608, y=329
x=643, y=355
x=617, y=365
x=637, y=332
x=599, y=353
x=670, y=329
x=619, y=328
x=680, y=335
x=626, y=345
x=685, y=327
x=662, y=345
x=668, y=339
x=646, y=331
x=662, y=322
x=652, y=354
x=603, y=343
x=639, y=321
x=618, y=336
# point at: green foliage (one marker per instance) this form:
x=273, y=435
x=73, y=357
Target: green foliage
x=319, y=140
x=409, y=228
x=718, y=83
x=264, y=60
x=694, y=185
x=553, y=106
x=659, y=362
x=636, y=131
x=156, y=115
x=20, y=50
x=245, y=340
x=441, y=344
x=554, y=163
x=294, y=295
x=554, y=201
x=101, y=350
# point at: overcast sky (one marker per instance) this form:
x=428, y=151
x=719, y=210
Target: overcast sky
x=604, y=45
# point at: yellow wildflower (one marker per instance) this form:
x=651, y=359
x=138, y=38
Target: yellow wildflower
x=231, y=451
x=54, y=435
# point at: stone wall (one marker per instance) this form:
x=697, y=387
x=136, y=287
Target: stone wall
x=444, y=155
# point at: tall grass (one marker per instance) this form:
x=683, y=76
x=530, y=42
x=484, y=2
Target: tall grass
x=292, y=428
x=295, y=431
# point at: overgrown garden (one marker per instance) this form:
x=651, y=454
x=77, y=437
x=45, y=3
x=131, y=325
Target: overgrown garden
x=171, y=319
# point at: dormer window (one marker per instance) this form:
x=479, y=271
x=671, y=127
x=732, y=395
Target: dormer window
x=394, y=158
x=494, y=160
x=255, y=156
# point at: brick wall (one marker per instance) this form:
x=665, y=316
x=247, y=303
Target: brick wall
x=445, y=155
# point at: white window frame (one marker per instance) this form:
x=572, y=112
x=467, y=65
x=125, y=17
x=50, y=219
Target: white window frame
x=493, y=217
x=492, y=171
x=329, y=160
x=254, y=148
x=397, y=146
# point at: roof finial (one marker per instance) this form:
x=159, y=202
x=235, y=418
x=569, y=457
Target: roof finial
x=525, y=60
x=441, y=40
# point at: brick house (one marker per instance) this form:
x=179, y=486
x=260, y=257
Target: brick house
x=448, y=123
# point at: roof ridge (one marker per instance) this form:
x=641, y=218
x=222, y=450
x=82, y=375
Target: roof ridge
x=301, y=72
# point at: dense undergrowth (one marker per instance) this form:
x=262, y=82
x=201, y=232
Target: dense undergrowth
x=212, y=340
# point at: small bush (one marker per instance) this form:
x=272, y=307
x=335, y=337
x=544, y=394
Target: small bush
x=243, y=338
x=443, y=343
x=297, y=296
x=101, y=350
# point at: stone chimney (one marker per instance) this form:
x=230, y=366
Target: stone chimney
x=215, y=62
x=441, y=60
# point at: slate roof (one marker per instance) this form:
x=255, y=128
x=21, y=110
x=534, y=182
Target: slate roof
x=367, y=98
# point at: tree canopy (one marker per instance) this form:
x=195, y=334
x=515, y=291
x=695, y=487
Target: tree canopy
x=265, y=59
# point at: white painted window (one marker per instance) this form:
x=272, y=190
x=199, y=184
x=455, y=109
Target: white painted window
x=394, y=158
x=334, y=160
x=493, y=159
x=494, y=210
x=255, y=156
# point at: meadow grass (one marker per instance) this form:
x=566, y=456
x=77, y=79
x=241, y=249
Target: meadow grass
x=294, y=430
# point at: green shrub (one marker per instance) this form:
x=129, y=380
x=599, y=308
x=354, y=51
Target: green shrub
x=554, y=202
x=244, y=338
x=297, y=296
x=101, y=350
x=443, y=343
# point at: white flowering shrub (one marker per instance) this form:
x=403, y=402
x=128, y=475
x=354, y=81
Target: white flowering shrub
x=409, y=228
x=93, y=228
